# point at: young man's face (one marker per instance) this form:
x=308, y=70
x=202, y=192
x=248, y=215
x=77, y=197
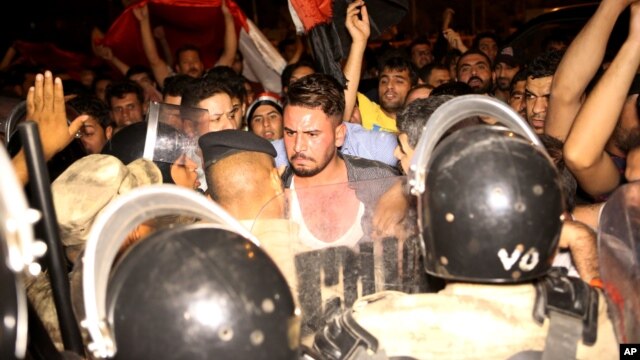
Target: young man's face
x=143, y=80
x=222, y=113
x=489, y=46
x=516, y=98
x=537, y=94
x=475, y=70
x=421, y=55
x=266, y=122
x=189, y=63
x=439, y=77
x=311, y=139
x=126, y=110
x=393, y=88
x=504, y=75
x=94, y=136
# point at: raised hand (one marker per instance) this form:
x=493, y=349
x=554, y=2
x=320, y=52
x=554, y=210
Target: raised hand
x=104, y=52
x=225, y=9
x=358, y=26
x=158, y=32
x=45, y=106
x=141, y=13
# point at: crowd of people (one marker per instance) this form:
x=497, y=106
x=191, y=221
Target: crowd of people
x=323, y=174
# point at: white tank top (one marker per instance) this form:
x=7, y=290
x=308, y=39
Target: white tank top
x=348, y=239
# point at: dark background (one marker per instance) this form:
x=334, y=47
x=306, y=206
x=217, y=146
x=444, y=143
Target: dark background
x=68, y=23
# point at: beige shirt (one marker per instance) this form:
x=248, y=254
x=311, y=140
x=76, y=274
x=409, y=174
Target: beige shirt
x=468, y=321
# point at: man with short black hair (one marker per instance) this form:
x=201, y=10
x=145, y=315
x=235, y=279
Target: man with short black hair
x=434, y=74
x=313, y=132
x=538, y=89
x=215, y=97
x=474, y=69
x=421, y=52
x=397, y=76
x=126, y=102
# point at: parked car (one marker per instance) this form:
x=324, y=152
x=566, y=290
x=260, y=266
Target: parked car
x=563, y=23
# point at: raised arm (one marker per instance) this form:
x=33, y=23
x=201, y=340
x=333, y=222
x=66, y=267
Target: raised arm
x=230, y=37
x=584, y=150
x=106, y=54
x=159, y=67
x=8, y=58
x=357, y=23
x=299, y=50
x=45, y=106
x=158, y=33
x=578, y=66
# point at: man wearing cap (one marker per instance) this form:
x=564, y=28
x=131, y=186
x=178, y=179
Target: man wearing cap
x=506, y=67
x=264, y=117
x=240, y=172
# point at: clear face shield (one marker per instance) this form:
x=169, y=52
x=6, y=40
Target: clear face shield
x=18, y=252
x=111, y=230
x=618, y=252
x=334, y=246
x=172, y=138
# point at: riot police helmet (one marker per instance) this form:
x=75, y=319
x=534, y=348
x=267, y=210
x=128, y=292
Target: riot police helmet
x=492, y=208
x=200, y=292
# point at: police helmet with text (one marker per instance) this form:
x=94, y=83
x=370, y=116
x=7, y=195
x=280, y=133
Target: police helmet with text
x=492, y=210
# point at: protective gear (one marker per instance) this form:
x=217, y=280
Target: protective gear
x=173, y=295
x=128, y=145
x=216, y=295
x=493, y=198
x=18, y=252
x=168, y=136
x=490, y=196
x=618, y=252
x=12, y=302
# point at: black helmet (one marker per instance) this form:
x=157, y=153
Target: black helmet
x=201, y=292
x=128, y=144
x=492, y=212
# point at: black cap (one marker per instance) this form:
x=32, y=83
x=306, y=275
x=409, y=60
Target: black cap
x=509, y=56
x=220, y=144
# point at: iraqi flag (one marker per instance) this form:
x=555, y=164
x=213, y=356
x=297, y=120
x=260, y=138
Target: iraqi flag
x=199, y=23
x=324, y=21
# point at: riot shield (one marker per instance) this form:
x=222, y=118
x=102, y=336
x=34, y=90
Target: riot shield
x=190, y=123
x=172, y=136
x=339, y=242
x=619, y=251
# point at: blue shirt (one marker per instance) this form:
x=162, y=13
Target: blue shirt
x=358, y=141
